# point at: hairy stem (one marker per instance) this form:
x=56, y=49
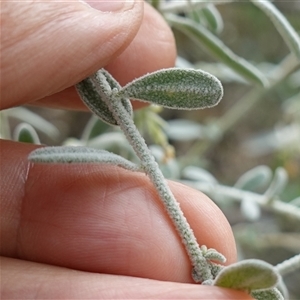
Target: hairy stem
x=201, y=271
x=289, y=265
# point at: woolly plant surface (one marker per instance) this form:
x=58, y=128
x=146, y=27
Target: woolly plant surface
x=176, y=88
x=248, y=275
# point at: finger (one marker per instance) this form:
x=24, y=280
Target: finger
x=85, y=41
x=32, y=280
x=153, y=48
x=49, y=46
x=101, y=219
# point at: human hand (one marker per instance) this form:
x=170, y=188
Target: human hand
x=90, y=231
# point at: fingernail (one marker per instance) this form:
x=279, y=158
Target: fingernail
x=111, y=6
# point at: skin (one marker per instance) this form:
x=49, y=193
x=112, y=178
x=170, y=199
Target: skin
x=90, y=231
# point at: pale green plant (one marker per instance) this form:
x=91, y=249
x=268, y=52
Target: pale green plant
x=104, y=96
x=258, y=189
x=174, y=88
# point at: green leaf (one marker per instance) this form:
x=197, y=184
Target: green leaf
x=66, y=154
x=25, y=133
x=95, y=89
x=271, y=294
x=213, y=18
x=255, y=179
x=248, y=275
x=212, y=254
x=176, y=88
x=283, y=26
x=215, y=47
x=278, y=183
x=94, y=101
x=198, y=174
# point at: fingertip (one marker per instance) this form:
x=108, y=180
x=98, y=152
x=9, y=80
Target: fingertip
x=53, y=282
x=68, y=39
x=153, y=48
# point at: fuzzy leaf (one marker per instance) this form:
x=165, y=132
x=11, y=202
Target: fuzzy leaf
x=212, y=254
x=248, y=275
x=270, y=294
x=93, y=91
x=255, y=179
x=79, y=155
x=94, y=101
x=176, y=88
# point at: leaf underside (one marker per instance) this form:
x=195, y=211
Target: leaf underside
x=95, y=101
x=65, y=154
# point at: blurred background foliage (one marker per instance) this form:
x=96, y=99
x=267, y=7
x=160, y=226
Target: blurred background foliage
x=252, y=126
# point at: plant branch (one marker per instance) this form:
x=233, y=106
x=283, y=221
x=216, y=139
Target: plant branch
x=276, y=206
x=201, y=271
x=289, y=265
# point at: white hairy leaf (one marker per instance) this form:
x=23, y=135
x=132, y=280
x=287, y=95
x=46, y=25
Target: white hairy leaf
x=213, y=254
x=176, y=88
x=270, y=294
x=79, y=155
x=95, y=89
x=248, y=275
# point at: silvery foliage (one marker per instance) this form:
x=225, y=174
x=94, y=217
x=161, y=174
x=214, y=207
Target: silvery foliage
x=174, y=88
x=70, y=154
x=256, y=277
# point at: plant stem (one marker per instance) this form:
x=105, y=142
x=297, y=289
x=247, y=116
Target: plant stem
x=289, y=265
x=277, y=206
x=201, y=266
